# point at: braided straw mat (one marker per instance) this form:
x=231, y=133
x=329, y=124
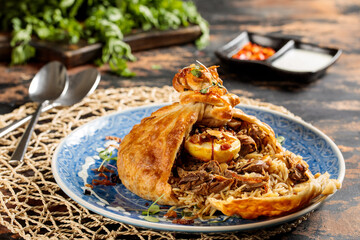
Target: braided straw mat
x=33, y=205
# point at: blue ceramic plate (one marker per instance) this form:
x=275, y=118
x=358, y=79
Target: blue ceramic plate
x=77, y=155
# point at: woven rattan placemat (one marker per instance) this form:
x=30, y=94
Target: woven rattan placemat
x=33, y=205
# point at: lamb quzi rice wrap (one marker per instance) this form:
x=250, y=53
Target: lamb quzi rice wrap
x=204, y=154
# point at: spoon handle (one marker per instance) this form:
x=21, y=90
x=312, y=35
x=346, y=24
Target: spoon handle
x=20, y=150
x=18, y=123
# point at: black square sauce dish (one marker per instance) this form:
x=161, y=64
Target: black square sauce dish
x=276, y=58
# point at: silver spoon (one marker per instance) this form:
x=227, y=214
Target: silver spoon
x=48, y=84
x=80, y=85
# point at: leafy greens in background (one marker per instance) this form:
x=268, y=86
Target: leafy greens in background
x=104, y=21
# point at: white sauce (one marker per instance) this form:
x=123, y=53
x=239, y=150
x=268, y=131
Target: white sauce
x=83, y=173
x=100, y=149
x=111, y=145
x=118, y=208
x=101, y=203
x=300, y=60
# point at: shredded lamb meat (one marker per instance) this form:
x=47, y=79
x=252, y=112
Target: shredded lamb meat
x=297, y=174
x=257, y=166
x=209, y=178
x=297, y=171
x=204, y=178
x=248, y=144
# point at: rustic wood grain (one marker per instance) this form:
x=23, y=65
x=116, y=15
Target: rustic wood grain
x=331, y=103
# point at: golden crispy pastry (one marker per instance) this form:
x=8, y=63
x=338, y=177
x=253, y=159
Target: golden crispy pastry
x=204, y=154
x=148, y=152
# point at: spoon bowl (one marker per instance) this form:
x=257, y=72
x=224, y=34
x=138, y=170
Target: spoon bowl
x=48, y=84
x=79, y=86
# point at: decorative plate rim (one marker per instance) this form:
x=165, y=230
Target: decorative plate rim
x=189, y=228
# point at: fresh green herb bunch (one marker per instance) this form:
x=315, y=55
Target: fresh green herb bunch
x=104, y=21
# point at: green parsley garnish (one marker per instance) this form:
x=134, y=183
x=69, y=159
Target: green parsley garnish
x=153, y=209
x=281, y=140
x=204, y=90
x=186, y=214
x=106, y=155
x=151, y=219
x=196, y=72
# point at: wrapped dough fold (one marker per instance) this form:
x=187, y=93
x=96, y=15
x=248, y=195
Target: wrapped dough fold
x=207, y=155
x=147, y=154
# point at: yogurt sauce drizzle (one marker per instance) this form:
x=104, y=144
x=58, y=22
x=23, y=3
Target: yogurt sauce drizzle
x=83, y=174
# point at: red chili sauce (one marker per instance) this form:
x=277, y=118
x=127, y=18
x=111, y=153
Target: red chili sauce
x=252, y=51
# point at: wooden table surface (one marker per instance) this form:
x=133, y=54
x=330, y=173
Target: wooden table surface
x=331, y=103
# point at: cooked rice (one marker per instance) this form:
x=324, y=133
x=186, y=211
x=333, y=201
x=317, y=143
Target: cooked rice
x=278, y=184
